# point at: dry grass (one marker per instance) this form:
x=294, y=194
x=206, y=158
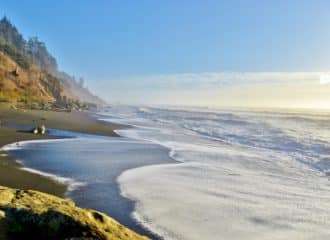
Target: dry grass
x=28, y=86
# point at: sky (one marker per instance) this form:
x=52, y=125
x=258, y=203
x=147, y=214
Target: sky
x=250, y=53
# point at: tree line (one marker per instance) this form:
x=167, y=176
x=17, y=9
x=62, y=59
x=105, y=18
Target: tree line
x=22, y=51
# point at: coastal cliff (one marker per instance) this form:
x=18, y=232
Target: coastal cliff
x=30, y=81
x=30, y=76
x=28, y=214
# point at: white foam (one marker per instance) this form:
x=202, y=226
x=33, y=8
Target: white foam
x=21, y=144
x=201, y=201
x=71, y=183
x=259, y=184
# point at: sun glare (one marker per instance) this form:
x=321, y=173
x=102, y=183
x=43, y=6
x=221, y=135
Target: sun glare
x=325, y=79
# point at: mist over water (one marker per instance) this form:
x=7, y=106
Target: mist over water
x=242, y=175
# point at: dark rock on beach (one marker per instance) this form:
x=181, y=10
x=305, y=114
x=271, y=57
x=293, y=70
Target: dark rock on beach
x=39, y=130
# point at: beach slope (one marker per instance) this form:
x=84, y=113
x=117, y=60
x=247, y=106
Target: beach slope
x=10, y=173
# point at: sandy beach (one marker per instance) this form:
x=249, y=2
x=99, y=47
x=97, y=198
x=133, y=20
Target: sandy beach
x=82, y=160
x=10, y=173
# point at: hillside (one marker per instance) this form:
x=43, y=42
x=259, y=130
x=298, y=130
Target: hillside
x=26, y=85
x=29, y=74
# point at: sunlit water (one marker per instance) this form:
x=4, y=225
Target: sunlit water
x=242, y=175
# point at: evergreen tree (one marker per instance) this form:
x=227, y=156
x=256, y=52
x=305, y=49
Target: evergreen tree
x=39, y=55
x=11, y=35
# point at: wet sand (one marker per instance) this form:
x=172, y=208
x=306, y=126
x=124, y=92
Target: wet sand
x=95, y=163
x=116, y=155
x=10, y=173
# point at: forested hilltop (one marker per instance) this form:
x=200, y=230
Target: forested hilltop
x=30, y=77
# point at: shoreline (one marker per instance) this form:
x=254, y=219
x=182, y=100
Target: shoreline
x=68, y=183
x=120, y=207
x=12, y=172
x=22, y=177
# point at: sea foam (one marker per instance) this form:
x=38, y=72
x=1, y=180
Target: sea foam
x=71, y=183
x=242, y=175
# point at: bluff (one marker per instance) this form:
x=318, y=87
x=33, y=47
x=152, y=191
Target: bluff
x=29, y=74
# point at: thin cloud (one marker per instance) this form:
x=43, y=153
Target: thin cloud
x=287, y=89
x=207, y=80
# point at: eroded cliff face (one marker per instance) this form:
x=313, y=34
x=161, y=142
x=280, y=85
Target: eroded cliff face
x=28, y=214
x=26, y=85
x=29, y=73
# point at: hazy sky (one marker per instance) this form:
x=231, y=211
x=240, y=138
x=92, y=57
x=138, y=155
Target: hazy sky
x=235, y=53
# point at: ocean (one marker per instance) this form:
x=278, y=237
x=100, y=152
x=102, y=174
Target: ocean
x=201, y=173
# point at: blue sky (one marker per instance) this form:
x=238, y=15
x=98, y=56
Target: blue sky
x=111, y=43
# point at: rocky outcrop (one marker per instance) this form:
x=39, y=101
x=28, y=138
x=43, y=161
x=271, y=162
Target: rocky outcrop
x=39, y=130
x=27, y=214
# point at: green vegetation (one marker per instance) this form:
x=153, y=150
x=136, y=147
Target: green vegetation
x=29, y=75
x=11, y=51
x=35, y=215
x=9, y=33
x=39, y=55
x=23, y=51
